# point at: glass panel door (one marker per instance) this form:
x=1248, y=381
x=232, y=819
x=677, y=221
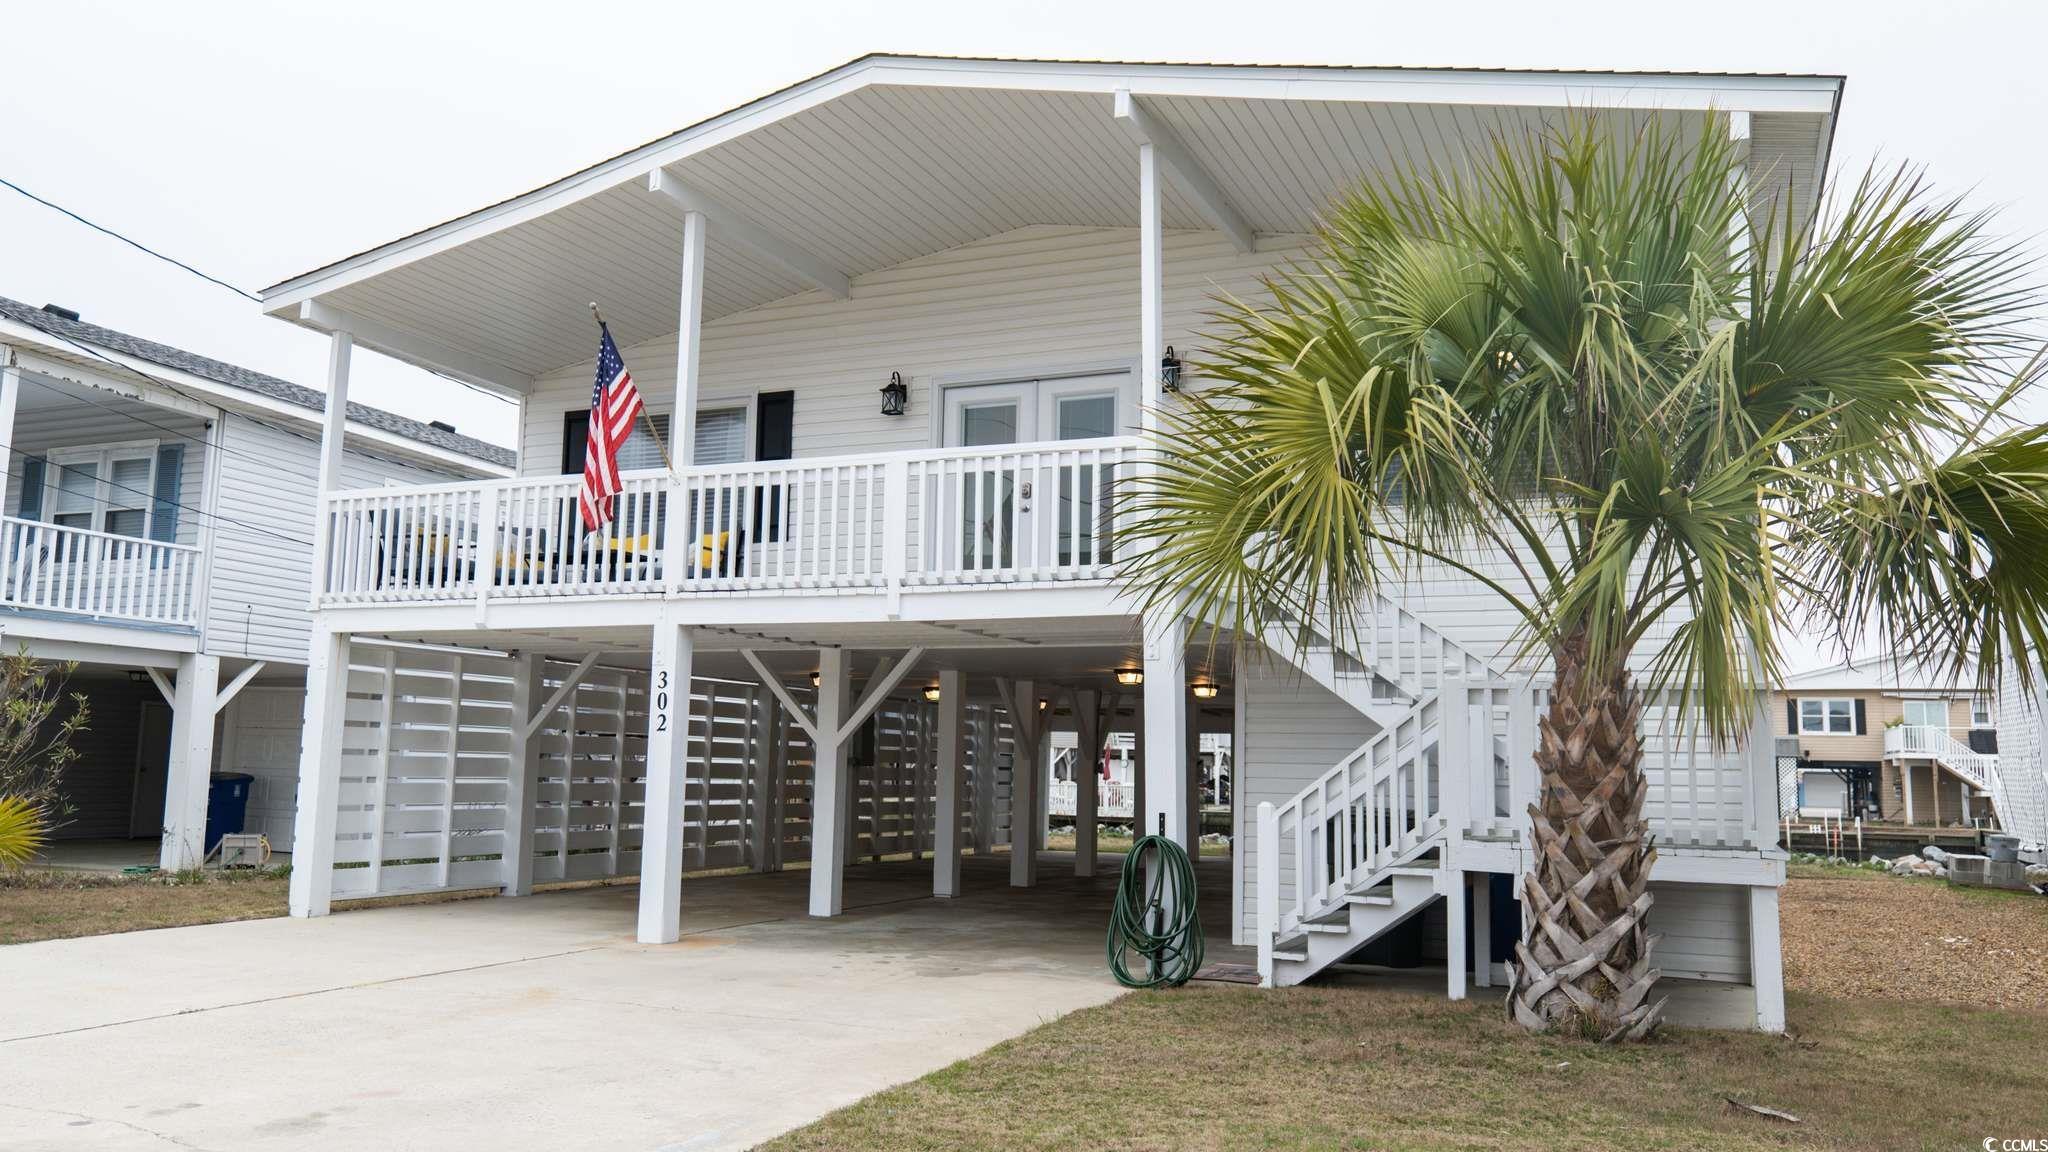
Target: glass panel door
x=1927, y=713
x=1083, y=408
x=989, y=415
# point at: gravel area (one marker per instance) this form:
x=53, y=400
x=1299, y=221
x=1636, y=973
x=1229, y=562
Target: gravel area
x=1849, y=933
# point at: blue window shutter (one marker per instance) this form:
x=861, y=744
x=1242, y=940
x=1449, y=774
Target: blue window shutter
x=170, y=474
x=32, y=488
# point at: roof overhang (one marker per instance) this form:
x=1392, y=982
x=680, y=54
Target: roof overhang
x=891, y=157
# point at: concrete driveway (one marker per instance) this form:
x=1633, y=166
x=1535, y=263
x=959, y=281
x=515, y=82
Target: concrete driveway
x=538, y=1022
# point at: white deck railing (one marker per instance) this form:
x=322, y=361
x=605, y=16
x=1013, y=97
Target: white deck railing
x=1114, y=799
x=99, y=575
x=1935, y=743
x=969, y=516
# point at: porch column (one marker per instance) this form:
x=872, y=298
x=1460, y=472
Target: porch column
x=1192, y=776
x=1166, y=727
x=1454, y=890
x=830, y=821
x=661, y=832
x=523, y=778
x=1906, y=786
x=1087, y=775
x=312, y=882
x=1138, y=763
x=946, y=830
x=333, y=441
x=682, y=425
x=189, y=772
x=767, y=814
x=1027, y=769
x=1151, y=286
x=1482, y=928
x=1766, y=959
x=979, y=724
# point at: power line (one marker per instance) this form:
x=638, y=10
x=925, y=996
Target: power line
x=132, y=243
x=152, y=497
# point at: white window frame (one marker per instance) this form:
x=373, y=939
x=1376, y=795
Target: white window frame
x=1980, y=711
x=1825, y=713
x=746, y=410
x=103, y=456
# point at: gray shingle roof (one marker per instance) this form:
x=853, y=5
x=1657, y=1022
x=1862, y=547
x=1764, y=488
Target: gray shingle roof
x=234, y=376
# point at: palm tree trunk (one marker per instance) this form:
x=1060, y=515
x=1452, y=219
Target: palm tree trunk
x=1583, y=964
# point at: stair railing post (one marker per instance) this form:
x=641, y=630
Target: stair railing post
x=1453, y=758
x=1268, y=889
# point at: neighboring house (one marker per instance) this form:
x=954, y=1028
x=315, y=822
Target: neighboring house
x=1892, y=743
x=912, y=313
x=2023, y=754
x=159, y=530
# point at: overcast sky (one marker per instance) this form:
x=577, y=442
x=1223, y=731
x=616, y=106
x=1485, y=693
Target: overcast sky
x=257, y=141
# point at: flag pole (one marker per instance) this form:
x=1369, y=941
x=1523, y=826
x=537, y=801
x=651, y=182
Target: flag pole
x=652, y=432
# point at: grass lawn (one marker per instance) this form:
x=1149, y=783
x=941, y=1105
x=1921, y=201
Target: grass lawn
x=39, y=905
x=1329, y=1067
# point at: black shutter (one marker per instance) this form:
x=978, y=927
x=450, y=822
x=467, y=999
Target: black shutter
x=575, y=439
x=1860, y=730
x=1791, y=717
x=774, y=439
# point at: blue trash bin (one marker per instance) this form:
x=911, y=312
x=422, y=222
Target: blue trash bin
x=227, y=805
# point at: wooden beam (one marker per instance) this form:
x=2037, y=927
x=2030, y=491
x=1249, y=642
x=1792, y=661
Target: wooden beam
x=774, y=684
x=241, y=680
x=884, y=681
x=163, y=685
x=1144, y=128
x=415, y=350
x=798, y=262
x=569, y=684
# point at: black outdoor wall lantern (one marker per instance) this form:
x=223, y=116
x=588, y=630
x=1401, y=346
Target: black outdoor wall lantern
x=1169, y=371
x=894, y=394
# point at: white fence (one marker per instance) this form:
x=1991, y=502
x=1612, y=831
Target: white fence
x=426, y=773
x=969, y=516
x=97, y=574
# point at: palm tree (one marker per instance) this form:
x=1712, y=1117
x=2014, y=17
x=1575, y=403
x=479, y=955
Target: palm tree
x=1587, y=354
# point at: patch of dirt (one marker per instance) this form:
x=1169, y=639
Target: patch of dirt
x=1862, y=934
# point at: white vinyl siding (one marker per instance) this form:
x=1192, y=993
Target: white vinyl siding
x=263, y=535
x=1036, y=299
x=1705, y=929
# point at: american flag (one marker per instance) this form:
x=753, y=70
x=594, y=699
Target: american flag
x=614, y=405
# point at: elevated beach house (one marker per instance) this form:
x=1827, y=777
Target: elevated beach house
x=158, y=529
x=900, y=327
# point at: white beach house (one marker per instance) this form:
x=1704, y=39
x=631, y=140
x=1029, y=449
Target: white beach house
x=902, y=324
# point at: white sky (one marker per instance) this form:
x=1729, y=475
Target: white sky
x=260, y=140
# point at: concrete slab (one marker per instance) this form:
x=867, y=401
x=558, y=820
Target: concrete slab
x=539, y=1022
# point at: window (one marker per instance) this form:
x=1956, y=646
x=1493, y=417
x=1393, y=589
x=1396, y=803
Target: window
x=721, y=439
x=106, y=489
x=1980, y=711
x=1827, y=717
x=1926, y=713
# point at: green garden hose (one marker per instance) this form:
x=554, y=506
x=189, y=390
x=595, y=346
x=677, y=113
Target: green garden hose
x=1169, y=938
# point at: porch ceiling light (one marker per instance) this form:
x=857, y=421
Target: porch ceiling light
x=894, y=395
x=931, y=693
x=1130, y=677
x=1169, y=371
x=816, y=679
x=1204, y=689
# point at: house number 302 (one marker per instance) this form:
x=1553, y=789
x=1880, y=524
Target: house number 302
x=661, y=701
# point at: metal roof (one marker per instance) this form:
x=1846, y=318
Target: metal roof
x=235, y=376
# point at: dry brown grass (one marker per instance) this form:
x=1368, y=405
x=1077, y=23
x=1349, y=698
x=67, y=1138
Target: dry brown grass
x=1331, y=1067
x=56, y=905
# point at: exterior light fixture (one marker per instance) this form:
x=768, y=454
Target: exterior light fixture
x=894, y=395
x=1130, y=677
x=1204, y=689
x=816, y=678
x=1169, y=371
x=1043, y=703
x=931, y=693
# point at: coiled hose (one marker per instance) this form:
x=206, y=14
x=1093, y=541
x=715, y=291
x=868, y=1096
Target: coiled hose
x=1157, y=919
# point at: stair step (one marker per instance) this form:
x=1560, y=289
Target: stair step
x=1296, y=957
x=1335, y=926
x=1372, y=900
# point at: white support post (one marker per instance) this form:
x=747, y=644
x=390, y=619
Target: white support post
x=333, y=442
x=1087, y=777
x=830, y=823
x=682, y=425
x=1027, y=768
x=1454, y=761
x=1166, y=727
x=981, y=724
x=1906, y=786
x=190, y=769
x=1138, y=763
x=1151, y=287
x=668, y=763
x=1766, y=959
x=946, y=833
x=769, y=747
x=1266, y=881
x=312, y=882
x=1191, y=778
x=1482, y=928
x=524, y=775
x=1453, y=886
